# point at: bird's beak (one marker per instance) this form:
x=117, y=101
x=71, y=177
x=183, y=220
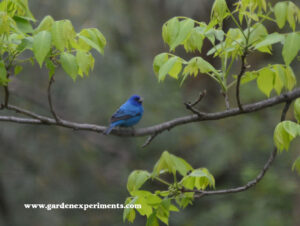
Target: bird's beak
x=141, y=100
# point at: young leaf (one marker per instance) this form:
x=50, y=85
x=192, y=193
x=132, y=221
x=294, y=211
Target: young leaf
x=219, y=10
x=136, y=179
x=69, y=64
x=171, y=164
x=158, y=61
x=291, y=47
x=45, y=24
x=41, y=46
x=297, y=109
x=152, y=220
x=93, y=38
x=290, y=78
x=84, y=62
x=194, y=42
x=172, y=67
x=170, y=30
x=269, y=40
x=199, y=178
x=280, y=11
x=62, y=33
x=265, y=80
x=284, y=133
x=23, y=24
x=129, y=213
x=185, y=28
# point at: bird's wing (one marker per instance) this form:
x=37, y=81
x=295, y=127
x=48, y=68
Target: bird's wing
x=123, y=114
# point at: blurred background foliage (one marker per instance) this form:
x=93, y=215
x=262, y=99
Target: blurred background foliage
x=44, y=164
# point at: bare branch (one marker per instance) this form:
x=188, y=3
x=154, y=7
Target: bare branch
x=57, y=119
x=200, y=97
x=149, y=139
x=201, y=193
x=190, y=106
x=159, y=127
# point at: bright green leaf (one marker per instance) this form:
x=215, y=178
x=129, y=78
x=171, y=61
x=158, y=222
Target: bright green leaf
x=265, y=81
x=41, y=46
x=297, y=109
x=3, y=78
x=69, y=64
x=280, y=11
x=45, y=24
x=185, y=28
x=158, y=61
x=291, y=47
x=136, y=179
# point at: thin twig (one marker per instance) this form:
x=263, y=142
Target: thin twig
x=200, y=97
x=243, y=69
x=190, y=106
x=201, y=193
x=149, y=139
x=57, y=119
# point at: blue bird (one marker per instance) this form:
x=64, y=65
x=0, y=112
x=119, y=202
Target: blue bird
x=129, y=114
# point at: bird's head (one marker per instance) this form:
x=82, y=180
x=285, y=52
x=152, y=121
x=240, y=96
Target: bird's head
x=136, y=100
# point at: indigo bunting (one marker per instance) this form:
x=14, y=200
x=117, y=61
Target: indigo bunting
x=129, y=114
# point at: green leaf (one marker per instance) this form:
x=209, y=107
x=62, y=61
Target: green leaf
x=185, y=28
x=296, y=165
x=152, y=220
x=290, y=78
x=172, y=67
x=171, y=164
x=170, y=30
x=84, y=62
x=26, y=43
x=3, y=78
x=292, y=14
x=291, y=47
x=269, y=40
x=158, y=61
x=129, y=213
x=297, y=109
x=219, y=10
x=185, y=199
x=265, y=80
x=284, y=133
x=93, y=38
x=62, y=34
x=41, y=46
x=194, y=41
x=69, y=64
x=45, y=25
x=17, y=69
x=248, y=77
x=23, y=24
x=258, y=31
x=280, y=11
x=199, y=178
x=136, y=179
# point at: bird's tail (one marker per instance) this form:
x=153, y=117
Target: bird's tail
x=108, y=130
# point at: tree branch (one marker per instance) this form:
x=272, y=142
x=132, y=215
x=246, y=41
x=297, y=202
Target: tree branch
x=156, y=129
x=57, y=119
x=201, y=193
